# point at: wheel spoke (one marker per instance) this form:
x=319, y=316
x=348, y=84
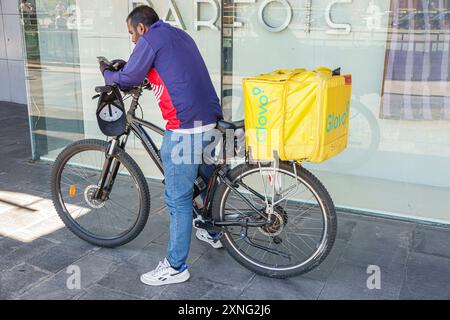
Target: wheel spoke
x=298, y=220
x=103, y=220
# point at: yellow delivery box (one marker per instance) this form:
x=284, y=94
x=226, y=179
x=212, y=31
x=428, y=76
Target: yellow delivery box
x=297, y=114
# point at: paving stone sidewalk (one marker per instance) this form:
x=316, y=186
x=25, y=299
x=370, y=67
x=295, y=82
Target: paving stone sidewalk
x=36, y=250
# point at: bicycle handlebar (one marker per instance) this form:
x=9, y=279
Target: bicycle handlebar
x=104, y=89
x=108, y=89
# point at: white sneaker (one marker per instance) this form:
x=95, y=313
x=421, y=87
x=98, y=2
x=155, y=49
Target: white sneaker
x=203, y=235
x=198, y=218
x=165, y=274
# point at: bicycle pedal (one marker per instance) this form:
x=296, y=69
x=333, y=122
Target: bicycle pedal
x=201, y=224
x=208, y=226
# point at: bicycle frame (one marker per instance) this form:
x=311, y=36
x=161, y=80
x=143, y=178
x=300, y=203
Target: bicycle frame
x=137, y=125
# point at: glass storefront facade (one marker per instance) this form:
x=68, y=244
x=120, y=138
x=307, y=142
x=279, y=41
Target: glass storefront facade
x=397, y=52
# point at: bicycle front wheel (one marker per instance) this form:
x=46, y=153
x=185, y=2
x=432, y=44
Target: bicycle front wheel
x=112, y=222
x=299, y=215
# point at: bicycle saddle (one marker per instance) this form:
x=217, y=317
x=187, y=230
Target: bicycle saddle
x=222, y=125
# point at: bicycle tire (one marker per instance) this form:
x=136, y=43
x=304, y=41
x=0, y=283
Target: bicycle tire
x=132, y=167
x=327, y=205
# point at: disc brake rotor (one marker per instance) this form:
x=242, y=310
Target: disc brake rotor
x=89, y=194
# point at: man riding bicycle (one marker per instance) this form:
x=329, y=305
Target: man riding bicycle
x=171, y=61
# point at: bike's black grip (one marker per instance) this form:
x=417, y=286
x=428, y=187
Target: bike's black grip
x=103, y=89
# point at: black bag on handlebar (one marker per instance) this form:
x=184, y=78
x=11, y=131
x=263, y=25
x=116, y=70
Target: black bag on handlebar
x=111, y=115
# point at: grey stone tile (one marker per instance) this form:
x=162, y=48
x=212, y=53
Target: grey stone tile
x=218, y=266
x=324, y=270
x=158, y=221
x=51, y=289
x=349, y=282
x=126, y=279
x=11, y=223
x=61, y=256
x=200, y=248
x=151, y=255
x=53, y=230
x=345, y=227
x=156, y=195
x=25, y=252
x=97, y=292
x=200, y=288
x=161, y=215
x=297, y=288
x=197, y=247
x=427, y=277
x=367, y=218
x=29, y=177
x=432, y=240
x=17, y=280
x=8, y=244
x=223, y=292
x=193, y=289
x=93, y=268
x=151, y=231
x=22, y=203
x=382, y=243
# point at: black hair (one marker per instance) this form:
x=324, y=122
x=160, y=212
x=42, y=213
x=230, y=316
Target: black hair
x=143, y=14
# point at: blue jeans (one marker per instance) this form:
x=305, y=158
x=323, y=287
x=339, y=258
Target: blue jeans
x=181, y=159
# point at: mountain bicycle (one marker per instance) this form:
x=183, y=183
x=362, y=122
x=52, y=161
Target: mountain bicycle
x=276, y=219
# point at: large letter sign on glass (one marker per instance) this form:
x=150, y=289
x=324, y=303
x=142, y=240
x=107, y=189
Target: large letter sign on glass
x=337, y=28
x=286, y=22
x=173, y=9
x=209, y=23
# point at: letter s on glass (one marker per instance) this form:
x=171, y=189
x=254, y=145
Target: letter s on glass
x=336, y=28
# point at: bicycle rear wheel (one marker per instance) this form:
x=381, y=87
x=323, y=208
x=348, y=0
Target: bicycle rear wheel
x=104, y=223
x=302, y=226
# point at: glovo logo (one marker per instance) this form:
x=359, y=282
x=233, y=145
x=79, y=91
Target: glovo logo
x=336, y=121
x=263, y=100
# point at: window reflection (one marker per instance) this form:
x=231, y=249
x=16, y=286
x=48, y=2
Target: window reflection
x=417, y=82
x=398, y=53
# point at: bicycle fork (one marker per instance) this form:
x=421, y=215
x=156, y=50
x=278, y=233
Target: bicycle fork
x=106, y=181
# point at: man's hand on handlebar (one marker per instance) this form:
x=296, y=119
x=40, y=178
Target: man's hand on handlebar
x=115, y=65
x=118, y=64
x=104, y=66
